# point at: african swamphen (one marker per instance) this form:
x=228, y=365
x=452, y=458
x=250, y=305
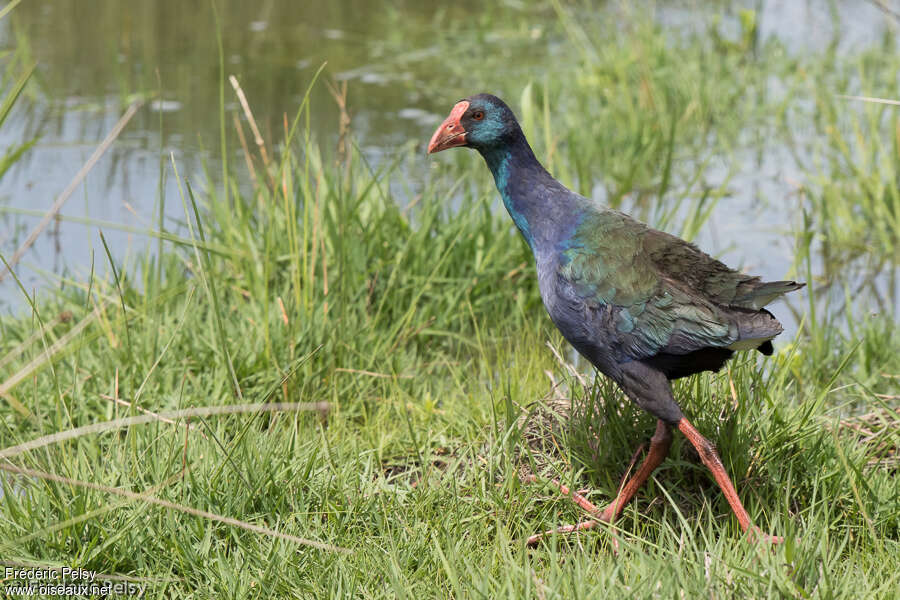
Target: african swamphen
x=643, y=306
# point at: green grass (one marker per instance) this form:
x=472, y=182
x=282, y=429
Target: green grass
x=422, y=328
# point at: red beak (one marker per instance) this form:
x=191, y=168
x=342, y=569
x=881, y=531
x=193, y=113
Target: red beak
x=450, y=133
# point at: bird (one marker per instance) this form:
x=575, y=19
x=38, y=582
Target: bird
x=641, y=305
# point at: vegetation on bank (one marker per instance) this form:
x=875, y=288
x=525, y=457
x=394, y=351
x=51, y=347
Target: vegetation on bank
x=419, y=324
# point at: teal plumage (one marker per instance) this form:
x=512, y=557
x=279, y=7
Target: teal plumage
x=668, y=295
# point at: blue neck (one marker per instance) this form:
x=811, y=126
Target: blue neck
x=523, y=184
x=500, y=161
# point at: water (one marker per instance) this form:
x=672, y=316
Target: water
x=94, y=58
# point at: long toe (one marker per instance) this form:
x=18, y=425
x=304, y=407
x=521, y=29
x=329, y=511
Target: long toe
x=584, y=504
x=758, y=536
x=575, y=497
x=565, y=529
x=570, y=529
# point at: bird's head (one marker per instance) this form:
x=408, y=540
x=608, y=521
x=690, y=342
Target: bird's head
x=481, y=122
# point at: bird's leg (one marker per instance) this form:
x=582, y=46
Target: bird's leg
x=659, y=448
x=711, y=459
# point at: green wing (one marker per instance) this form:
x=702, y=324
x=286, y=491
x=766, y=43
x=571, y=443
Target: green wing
x=663, y=294
x=683, y=262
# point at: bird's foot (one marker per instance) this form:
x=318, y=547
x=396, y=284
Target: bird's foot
x=758, y=536
x=577, y=498
x=565, y=529
x=604, y=516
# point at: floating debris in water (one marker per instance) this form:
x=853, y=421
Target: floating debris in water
x=417, y=114
x=374, y=78
x=165, y=106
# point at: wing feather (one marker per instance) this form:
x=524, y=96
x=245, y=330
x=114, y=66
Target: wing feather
x=663, y=294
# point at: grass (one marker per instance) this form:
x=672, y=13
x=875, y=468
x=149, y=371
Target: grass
x=421, y=328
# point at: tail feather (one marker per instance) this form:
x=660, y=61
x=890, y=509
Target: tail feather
x=756, y=294
x=756, y=330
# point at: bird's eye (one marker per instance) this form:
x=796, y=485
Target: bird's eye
x=478, y=115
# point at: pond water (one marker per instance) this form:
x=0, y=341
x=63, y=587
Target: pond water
x=94, y=58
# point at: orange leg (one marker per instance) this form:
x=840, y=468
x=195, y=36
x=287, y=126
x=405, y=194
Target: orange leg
x=659, y=448
x=712, y=461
